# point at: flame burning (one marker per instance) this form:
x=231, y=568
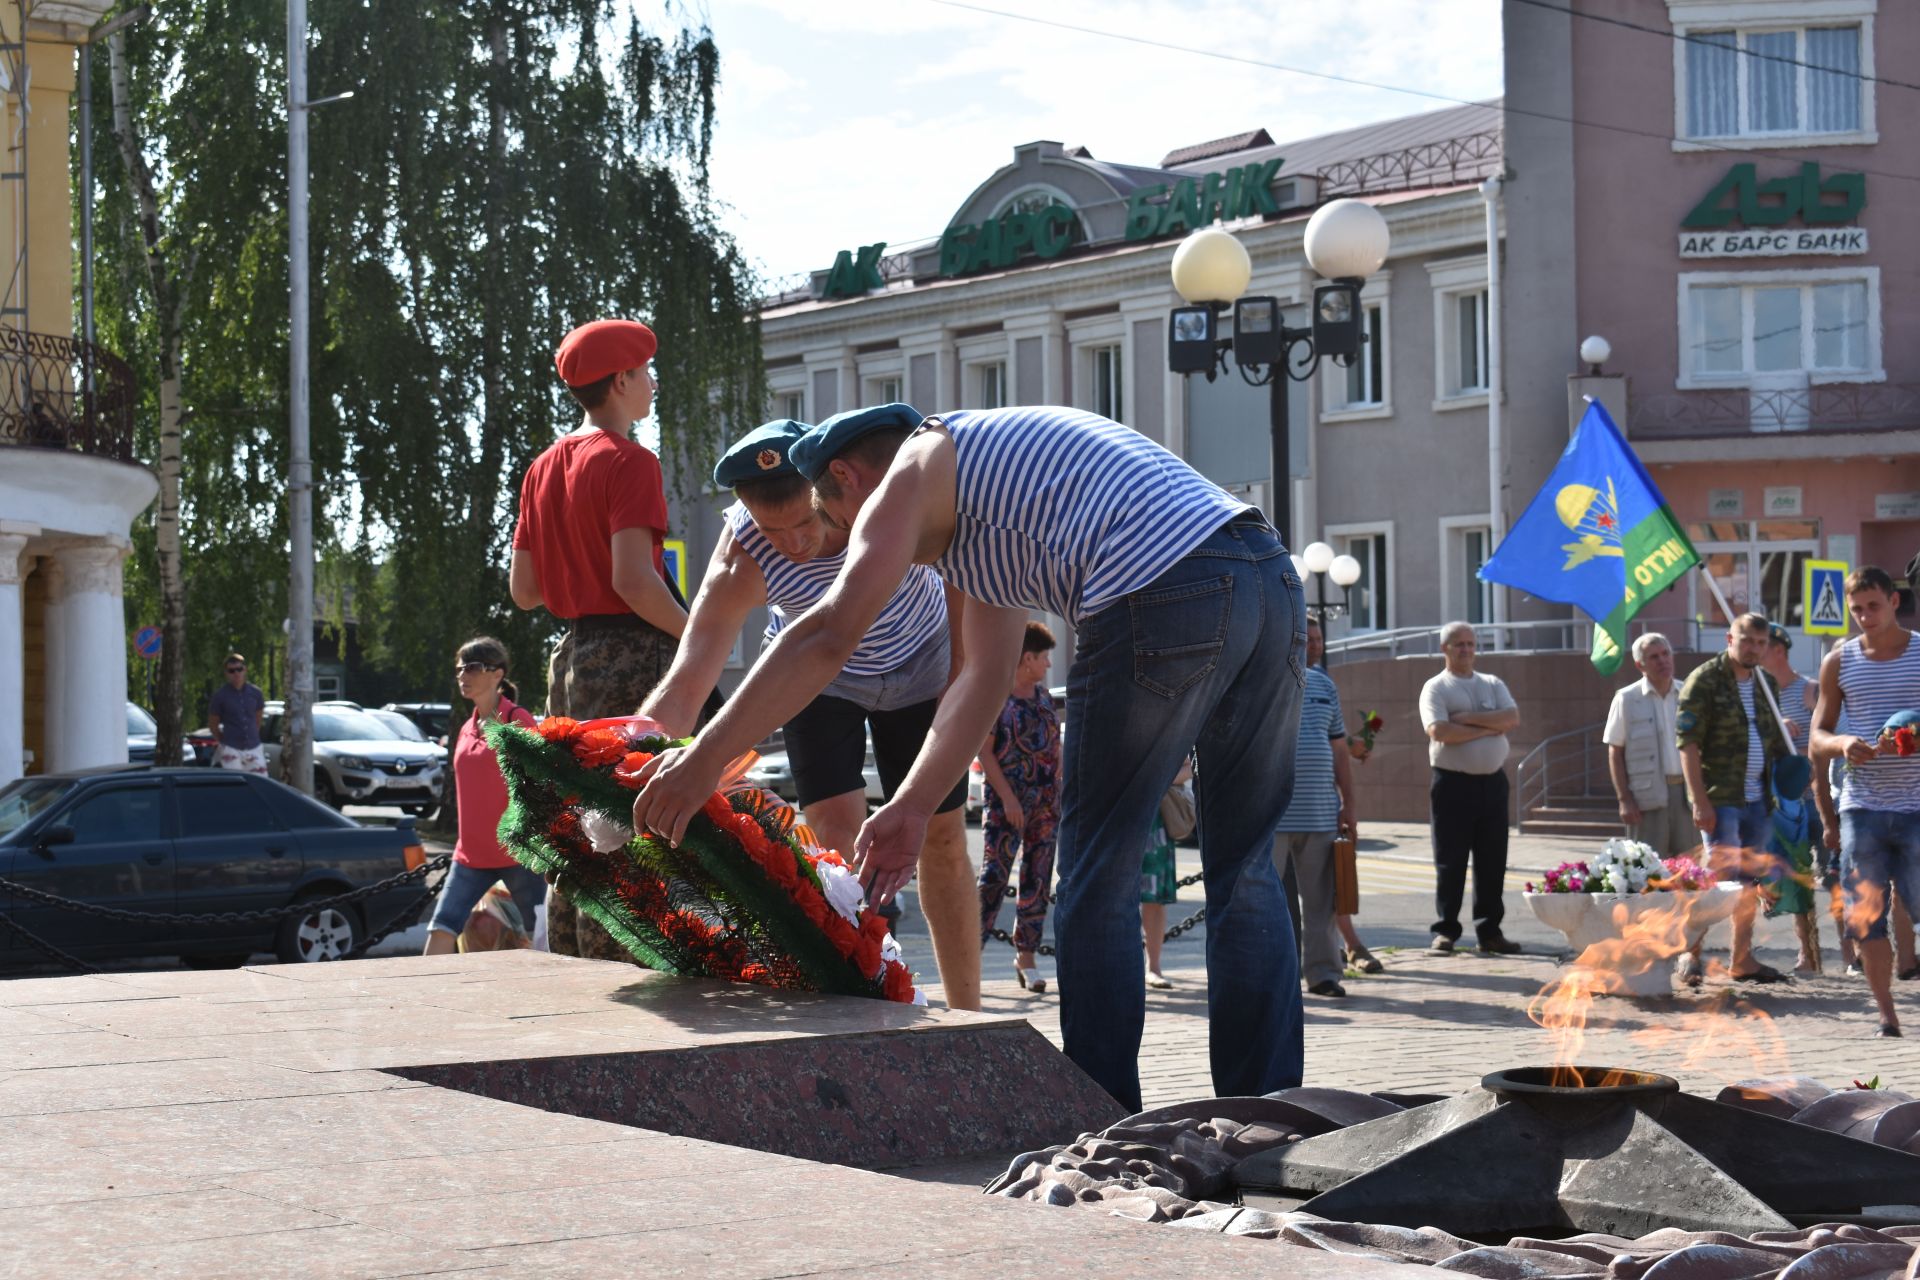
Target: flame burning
x=1701, y=1040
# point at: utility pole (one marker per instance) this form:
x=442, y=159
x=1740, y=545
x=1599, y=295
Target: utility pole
x=298, y=756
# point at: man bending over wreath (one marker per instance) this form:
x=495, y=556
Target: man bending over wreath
x=775, y=551
x=1189, y=625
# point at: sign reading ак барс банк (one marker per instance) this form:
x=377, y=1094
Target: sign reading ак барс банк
x=1743, y=217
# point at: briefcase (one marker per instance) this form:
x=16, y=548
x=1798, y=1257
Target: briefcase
x=1346, y=877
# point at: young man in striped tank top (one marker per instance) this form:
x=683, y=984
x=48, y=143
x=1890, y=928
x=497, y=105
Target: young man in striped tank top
x=1873, y=677
x=775, y=553
x=1189, y=633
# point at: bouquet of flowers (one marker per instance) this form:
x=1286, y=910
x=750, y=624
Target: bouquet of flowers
x=1900, y=736
x=1683, y=873
x=1568, y=877
x=748, y=896
x=1626, y=866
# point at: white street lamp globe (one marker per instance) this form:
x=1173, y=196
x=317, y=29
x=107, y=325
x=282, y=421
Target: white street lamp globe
x=1211, y=266
x=1299, y=566
x=1345, y=571
x=1347, y=240
x=1595, y=350
x=1318, y=556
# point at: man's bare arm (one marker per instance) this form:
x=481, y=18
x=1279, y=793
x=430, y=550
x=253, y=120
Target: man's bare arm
x=1447, y=732
x=523, y=580
x=733, y=588
x=1500, y=720
x=1826, y=744
x=637, y=582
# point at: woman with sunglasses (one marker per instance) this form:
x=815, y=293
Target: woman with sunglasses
x=481, y=797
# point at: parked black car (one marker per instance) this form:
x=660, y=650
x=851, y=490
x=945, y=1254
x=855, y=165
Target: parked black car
x=143, y=738
x=186, y=841
x=433, y=719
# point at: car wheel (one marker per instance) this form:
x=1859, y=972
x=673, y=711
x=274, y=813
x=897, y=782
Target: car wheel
x=331, y=933
x=323, y=791
x=217, y=960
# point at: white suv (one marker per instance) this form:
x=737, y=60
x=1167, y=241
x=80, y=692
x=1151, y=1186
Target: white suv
x=359, y=759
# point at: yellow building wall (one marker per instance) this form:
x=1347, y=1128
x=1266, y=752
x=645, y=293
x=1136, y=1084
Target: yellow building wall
x=47, y=223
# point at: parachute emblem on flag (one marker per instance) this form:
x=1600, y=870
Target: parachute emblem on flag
x=1595, y=517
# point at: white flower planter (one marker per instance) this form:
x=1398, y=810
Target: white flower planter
x=1635, y=938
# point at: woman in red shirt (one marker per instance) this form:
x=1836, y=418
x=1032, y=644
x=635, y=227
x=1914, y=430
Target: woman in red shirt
x=481, y=794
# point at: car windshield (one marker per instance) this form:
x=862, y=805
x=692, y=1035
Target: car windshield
x=139, y=722
x=26, y=797
x=401, y=726
x=351, y=726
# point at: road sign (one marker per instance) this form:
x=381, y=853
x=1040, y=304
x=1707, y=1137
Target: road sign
x=1824, y=591
x=674, y=552
x=146, y=642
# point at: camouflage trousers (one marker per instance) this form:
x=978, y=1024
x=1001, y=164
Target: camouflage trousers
x=601, y=667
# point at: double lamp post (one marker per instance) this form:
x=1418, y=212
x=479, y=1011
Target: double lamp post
x=1346, y=241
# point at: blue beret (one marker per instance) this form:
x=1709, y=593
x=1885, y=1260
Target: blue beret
x=760, y=454
x=825, y=442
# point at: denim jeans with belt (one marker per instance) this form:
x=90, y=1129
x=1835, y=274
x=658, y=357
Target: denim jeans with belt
x=1207, y=656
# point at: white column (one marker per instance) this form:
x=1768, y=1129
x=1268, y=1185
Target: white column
x=57, y=654
x=851, y=395
x=90, y=668
x=13, y=659
x=1054, y=368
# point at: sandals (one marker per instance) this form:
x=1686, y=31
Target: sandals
x=1364, y=960
x=1766, y=974
x=1888, y=1031
x=1159, y=981
x=1030, y=980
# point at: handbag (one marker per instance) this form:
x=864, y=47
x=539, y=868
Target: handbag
x=1346, y=877
x=1177, y=813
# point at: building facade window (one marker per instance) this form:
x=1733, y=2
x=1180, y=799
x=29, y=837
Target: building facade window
x=883, y=390
x=1106, y=377
x=1460, y=331
x=1370, y=600
x=793, y=404
x=1735, y=326
x=990, y=381
x=1364, y=390
x=1468, y=541
x=1742, y=72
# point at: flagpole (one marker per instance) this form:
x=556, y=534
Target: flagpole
x=1766, y=690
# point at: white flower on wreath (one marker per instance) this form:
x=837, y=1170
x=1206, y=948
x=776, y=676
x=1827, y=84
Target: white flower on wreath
x=842, y=890
x=603, y=832
x=1625, y=866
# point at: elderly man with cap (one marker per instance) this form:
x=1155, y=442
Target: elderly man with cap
x=775, y=552
x=588, y=547
x=1189, y=627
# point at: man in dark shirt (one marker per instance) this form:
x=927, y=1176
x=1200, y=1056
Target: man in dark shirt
x=233, y=717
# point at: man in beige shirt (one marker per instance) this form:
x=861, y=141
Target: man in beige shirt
x=1467, y=718
x=1643, y=754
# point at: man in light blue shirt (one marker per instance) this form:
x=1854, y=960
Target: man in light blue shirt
x=1322, y=807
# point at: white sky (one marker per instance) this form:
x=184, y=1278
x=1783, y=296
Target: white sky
x=842, y=122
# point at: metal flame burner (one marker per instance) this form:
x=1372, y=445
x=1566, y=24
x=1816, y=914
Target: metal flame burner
x=1554, y=1150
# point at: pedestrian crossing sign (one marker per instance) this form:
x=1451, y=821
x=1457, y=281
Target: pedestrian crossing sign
x=1824, y=594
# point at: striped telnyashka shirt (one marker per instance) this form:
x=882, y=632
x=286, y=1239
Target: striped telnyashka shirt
x=1067, y=511
x=916, y=613
x=1872, y=692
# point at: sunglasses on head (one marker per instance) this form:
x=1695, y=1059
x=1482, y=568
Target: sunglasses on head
x=472, y=668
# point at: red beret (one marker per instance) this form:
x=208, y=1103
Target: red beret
x=593, y=351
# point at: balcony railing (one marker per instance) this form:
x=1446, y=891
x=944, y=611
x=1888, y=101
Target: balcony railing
x=1740, y=411
x=63, y=393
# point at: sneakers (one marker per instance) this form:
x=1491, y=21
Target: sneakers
x=1159, y=981
x=1326, y=987
x=1441, y=943
x=1499, y=945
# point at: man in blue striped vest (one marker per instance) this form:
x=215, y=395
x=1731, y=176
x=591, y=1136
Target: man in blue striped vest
x=1189, y=626
x=775, y=552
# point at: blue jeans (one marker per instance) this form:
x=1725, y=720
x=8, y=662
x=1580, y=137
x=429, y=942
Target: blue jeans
x=1208, y=655
x=466, y=885
x=1742, y=844
x=1879, y=852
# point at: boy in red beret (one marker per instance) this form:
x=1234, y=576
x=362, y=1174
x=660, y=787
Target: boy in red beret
x=588, y=547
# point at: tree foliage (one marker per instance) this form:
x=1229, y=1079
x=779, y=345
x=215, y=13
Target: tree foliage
x=503, y=172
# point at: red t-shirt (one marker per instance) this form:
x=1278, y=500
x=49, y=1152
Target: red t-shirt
x=481, y=793
x=584, y=489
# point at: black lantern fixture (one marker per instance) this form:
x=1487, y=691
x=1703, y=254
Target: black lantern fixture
x=1345, y=242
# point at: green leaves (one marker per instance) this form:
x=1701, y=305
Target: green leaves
x=503, y=172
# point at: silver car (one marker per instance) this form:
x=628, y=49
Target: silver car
x=360, y=759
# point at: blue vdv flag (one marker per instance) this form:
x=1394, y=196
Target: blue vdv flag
x=1598, y=535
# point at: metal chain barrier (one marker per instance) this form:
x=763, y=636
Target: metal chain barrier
x=1046, y=949
x=404, y=919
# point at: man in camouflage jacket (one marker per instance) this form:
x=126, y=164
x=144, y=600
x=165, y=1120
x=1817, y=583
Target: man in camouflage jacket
x=1729, y=742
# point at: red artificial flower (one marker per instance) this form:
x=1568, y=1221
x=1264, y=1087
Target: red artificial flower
x=815, y=908
x=558, y=728
x=565, y=826
x=599, y=746
x=627, y=772
x=898, y=983
x=1903, y=740
x=866, y=957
